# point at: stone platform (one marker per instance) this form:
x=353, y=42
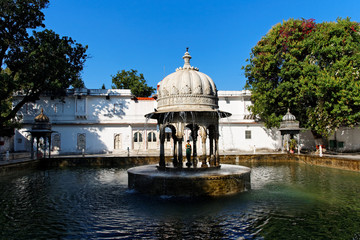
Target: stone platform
x=228, y=180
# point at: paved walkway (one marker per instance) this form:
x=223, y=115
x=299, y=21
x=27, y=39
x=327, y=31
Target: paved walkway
x=14, y=161
x=349, y=156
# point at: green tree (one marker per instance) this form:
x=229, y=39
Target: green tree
x=134, y=81
x=313, y=69
x=103, y=86
x=33, y=63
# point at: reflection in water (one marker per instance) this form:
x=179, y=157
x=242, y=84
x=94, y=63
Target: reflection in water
x=287, y=201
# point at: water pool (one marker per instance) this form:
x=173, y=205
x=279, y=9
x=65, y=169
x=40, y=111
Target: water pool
x=287, y=201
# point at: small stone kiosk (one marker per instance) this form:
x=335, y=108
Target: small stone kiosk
x=41, y=129
x=289, y=129
x=188, y=98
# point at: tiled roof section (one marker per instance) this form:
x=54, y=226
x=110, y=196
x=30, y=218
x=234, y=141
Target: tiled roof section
x=249, y=117
x=145, y=98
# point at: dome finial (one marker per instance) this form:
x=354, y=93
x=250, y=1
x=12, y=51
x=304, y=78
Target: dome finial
x=288, y=116
x=187, y=58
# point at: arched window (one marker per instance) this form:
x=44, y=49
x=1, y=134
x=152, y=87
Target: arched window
x=151, y=137
x=28, y=142
x=56, y=142
x=81, y=141
x=117, y=141
x=247, y=134
x=138, y=137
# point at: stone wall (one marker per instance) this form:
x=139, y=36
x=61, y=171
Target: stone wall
x=125, y=162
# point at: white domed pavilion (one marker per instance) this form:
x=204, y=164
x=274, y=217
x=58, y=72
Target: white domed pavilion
x=188, y=98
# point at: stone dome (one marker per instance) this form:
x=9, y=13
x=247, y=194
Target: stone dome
x=288, y=117
x=41, y=117
x=187, y=89
x=42, y=122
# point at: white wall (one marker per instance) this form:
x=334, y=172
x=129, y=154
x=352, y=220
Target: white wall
x=99, y=138
x=350, y=137
x=6, y=144
x=232, y=138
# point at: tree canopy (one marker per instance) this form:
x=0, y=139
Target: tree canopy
x=133, y=81
x=310, y=68
x=33, y=62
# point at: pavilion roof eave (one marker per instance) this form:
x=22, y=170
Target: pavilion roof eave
x=158, y=114
x=40, y=131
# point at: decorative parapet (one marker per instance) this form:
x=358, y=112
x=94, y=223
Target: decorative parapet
x=291, y=125
x=197, y=101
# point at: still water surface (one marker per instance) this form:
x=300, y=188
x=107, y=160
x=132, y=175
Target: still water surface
x=287, y=201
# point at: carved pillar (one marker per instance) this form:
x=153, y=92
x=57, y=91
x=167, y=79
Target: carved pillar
x=45, y=146
x=162, y=146
x=217, y=155
x=194, y=136
x=287, y=142
x=49, y=147
x=175, y=154
x=298, y=138
x=203, y=136
x=32, y=147
x=180, y=159
x=211, y=142
x=179, y=136
x=37, y=147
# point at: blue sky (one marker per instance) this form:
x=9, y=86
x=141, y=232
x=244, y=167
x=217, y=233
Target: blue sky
x=151, y=36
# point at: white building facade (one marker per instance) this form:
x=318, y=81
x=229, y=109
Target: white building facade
x=112, y=121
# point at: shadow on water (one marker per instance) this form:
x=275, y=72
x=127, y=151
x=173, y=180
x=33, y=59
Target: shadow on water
x=287, y=201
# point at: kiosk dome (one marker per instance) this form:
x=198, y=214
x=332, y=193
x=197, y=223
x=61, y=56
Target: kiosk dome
x=187, y=89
